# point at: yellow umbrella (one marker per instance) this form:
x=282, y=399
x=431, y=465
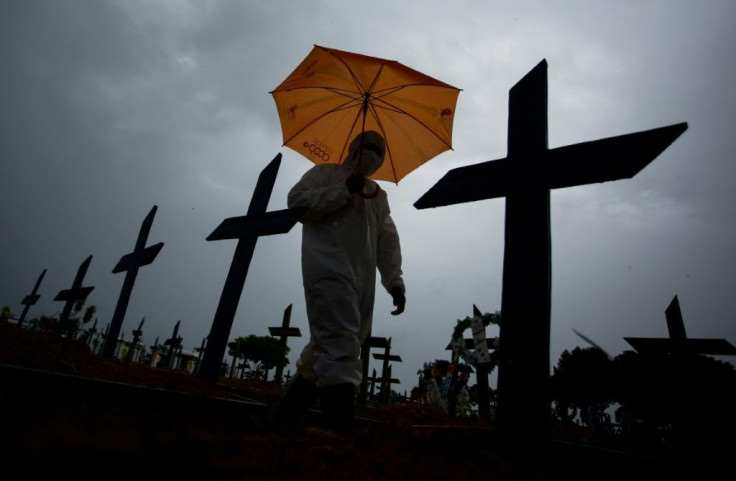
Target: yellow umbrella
x=333, y=96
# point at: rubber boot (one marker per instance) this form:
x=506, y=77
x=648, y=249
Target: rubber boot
x=338, y=407
x=290, y=409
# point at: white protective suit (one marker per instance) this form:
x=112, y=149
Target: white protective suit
x=345, y=237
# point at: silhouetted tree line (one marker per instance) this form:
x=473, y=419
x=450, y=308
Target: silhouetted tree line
x=685, y=402
x=259, y=354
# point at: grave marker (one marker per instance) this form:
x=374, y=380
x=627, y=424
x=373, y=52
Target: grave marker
x=200, y=351
x=479, y=344
x=75, y=293
x=678, y=343
x=365, y=355
x=373, y=380
x=386, y=370
x=91, y=333
x=525, y=178
x=174, y=343
x=246, y=229
x=283, y=333
x=130, y=263
x=30, y=299
x=385, y=382
x=136, y=337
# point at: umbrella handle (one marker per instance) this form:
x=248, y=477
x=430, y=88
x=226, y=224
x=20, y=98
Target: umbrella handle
x=372, y=195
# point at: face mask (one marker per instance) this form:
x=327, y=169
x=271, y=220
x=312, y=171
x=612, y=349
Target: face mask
x=370, y=161
x=370, y=155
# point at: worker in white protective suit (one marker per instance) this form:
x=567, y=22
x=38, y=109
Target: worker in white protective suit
x=347, y=235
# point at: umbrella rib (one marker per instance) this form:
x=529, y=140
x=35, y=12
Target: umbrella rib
x=345, y=106
x=343, y=92
x=404, y=112
x=350, y=71
x=385, y=140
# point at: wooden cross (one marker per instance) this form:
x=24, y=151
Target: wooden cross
x=174, y=343
x=283, y=333
x=365, y=355
x=30, y=299
x=236, y=354
x=91, y=333
x=136, y=337
x=385, y=384
x=75, y=293
x=525, y=178
x=200, y=352
x=246, y=229
x=678, y=343
x=130, y=263
x=102, y=336
x=373, y=381
x=385, y=371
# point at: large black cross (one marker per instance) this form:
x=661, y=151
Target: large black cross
x=246, y=229
x=130, y=263
x=30, y=299
x=283, y=333
x=75, y=293
x=525, y=178
x=678, y=343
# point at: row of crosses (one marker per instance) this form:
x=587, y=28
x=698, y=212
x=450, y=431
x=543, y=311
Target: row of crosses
x=524, y=178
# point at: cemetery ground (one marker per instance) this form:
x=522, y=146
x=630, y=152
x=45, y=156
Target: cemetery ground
x=66, y=412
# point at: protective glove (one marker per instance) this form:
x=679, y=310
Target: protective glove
x=355, y=182
x=399, y=300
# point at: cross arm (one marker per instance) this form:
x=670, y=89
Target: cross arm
x=289, y=331
x=597, y=161
x=391, y=357
x=648, y=345
x=393, y=380
x=73, y=294
x=270, y=223
x=609, y=159
x=138, y=258
x=30, y=299
x=470, y=344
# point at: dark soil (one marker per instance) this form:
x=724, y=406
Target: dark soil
x=66, y=412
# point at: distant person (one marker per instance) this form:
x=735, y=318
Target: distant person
x=347, y=235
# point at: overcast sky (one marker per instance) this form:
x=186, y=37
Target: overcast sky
x=108, y=108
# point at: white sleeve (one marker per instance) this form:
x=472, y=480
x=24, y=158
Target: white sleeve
x=322, y=189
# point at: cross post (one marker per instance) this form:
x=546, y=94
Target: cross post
x=130, y=263
x=246, y=229
x=525, y=178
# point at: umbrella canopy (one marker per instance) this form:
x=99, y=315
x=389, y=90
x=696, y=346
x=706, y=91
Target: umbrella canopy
x=333, y=96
